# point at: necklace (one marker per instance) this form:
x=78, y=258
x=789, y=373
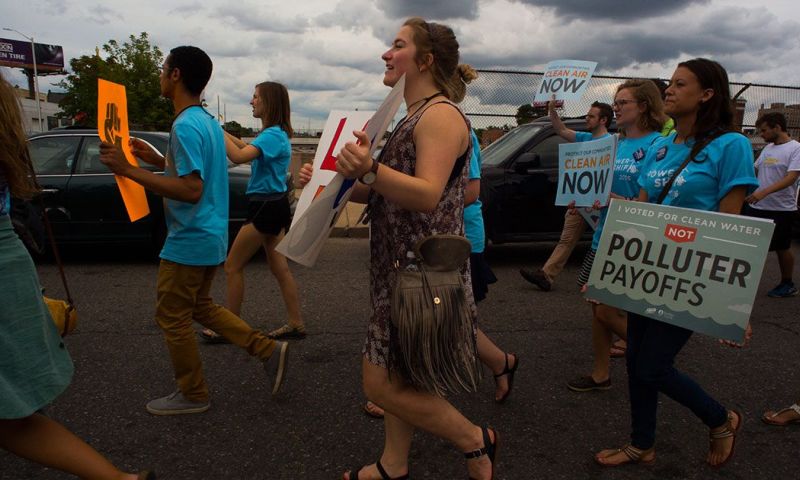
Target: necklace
x=423, y=100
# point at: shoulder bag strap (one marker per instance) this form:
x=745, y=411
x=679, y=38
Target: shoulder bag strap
x=677, y=172
x=50, y=235
x=689, y=158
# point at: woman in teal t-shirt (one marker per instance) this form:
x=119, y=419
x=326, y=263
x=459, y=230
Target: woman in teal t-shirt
x=269, y=215
x=640, y=115
x=716, y=178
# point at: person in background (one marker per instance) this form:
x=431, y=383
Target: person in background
x=777, y=168
x=639, y=112
x=598, y=119
x=35, y=367
x=717, y=176
x=668, y=126
x=503, y=365
x=269, y=215
x=669, y=123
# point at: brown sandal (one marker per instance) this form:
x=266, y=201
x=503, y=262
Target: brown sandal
x=371, y=409
x=635, y=456
x=617, y=350
x=770, y=417
x=727, y=431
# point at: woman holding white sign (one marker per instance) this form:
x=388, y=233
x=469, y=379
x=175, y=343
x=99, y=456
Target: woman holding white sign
x=640, y=117
x=269, y=215
x=415, y=188
x=703, y=165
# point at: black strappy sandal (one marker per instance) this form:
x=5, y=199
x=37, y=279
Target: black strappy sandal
x=510, y=372
x=489, y=449
x=384, y=476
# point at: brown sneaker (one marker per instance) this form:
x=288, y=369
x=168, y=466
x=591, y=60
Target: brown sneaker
x=538, y=278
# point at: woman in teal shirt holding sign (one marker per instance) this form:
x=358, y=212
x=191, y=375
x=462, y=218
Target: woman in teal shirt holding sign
x=706, y=166
x=640, y=116
x=269, y=215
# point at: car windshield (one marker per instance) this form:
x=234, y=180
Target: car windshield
x=509, y=143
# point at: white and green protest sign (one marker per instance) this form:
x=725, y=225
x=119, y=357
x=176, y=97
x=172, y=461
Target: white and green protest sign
x=566, y=79
x=691, y=268
x=585, y=171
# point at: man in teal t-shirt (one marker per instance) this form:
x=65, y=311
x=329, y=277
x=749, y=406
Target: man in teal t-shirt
x=598, y=118
x=195, y=191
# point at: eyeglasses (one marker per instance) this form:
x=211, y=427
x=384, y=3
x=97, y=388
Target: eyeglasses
x=622, y=103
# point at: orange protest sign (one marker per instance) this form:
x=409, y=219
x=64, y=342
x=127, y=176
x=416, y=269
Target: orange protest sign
x=112, y=126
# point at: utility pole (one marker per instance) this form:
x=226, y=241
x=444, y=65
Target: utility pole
x=35, y=75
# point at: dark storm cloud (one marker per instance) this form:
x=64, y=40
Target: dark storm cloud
x=614, y=9
x=429, y=9
x=718, y=33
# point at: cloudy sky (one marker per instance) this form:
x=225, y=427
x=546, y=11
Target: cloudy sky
x=328, y=51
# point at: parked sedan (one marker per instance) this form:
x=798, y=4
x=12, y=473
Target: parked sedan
x=82, y=199
x=519, y=180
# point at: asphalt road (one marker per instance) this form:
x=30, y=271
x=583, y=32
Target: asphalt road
x=315, y=428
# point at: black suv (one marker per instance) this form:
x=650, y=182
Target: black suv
x=519, y=179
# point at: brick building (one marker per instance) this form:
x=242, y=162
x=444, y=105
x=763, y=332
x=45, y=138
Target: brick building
x=791, y=112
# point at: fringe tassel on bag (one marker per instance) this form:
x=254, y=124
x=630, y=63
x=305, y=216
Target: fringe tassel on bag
x=433, y=323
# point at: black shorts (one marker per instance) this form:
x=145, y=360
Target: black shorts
x=269, y=214
x=782, y=237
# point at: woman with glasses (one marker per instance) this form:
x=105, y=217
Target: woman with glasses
x=640, y=116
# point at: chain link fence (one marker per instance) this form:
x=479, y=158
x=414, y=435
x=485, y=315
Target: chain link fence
x=494, y=98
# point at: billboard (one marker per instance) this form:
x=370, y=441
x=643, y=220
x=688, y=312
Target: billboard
x=18, y=54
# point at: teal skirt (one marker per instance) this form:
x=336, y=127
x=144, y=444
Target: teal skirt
x=34, y=364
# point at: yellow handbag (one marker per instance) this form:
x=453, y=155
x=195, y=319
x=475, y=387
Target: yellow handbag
x=65, y=316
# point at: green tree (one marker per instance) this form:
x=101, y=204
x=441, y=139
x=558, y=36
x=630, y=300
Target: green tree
x=135, y=64
x=528, y=113
x=234, y=128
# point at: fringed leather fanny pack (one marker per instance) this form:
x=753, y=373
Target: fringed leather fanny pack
x=435, y=330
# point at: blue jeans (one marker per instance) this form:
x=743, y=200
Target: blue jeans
x=650, y=357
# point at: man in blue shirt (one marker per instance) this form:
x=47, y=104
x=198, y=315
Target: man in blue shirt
x=195, y=191
x=598, y=118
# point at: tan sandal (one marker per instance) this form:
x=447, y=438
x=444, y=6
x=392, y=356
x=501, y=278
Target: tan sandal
x=287, y=331
x=727, y=431
x=770, y=417
x=373, y=410
x=635, y=456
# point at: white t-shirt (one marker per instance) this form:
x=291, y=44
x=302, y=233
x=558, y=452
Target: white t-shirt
x=772, y=165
